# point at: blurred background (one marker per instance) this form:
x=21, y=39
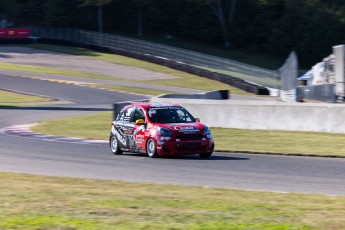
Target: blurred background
x=219, y=27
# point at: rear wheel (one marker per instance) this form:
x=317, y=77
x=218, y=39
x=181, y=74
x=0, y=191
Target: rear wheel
x=151, y=148
x=114, y=145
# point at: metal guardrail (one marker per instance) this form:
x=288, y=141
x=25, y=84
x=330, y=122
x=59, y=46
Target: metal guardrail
x=316, y=92
x=256, y=75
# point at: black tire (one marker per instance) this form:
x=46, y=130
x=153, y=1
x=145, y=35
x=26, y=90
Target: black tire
x=205, y=155
x=151, y=148
x=114, y=145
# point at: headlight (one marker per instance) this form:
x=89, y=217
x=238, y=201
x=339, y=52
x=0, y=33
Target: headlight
x=165, y=132
x=207, y=132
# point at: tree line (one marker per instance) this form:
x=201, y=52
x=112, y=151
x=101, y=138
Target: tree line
x=309, y=27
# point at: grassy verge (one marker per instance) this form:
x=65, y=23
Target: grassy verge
x=97, y=126
x=54, y=71
x=39, y=202
x=94, y=126
x=10, y=97
x=143, y=91
x=282, y=142
x=184, y=80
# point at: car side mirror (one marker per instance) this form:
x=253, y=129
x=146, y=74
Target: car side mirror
x=197, y=119
x=140, y=122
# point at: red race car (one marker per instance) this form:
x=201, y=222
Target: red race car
x=159, y=129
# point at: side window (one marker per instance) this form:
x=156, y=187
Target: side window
x=138, y=114
x=126, y=114
x=120, y=116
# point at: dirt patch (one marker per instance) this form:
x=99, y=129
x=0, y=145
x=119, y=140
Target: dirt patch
x=36, y=57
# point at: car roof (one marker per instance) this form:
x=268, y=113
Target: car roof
x=154, y=105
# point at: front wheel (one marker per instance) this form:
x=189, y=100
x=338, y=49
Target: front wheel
x=151, y=148
x=205, y=155
x=114, y=145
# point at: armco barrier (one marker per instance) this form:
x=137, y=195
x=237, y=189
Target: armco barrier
x=213, y=95
x=266, y=115
x=233, y=81
x=16, y=41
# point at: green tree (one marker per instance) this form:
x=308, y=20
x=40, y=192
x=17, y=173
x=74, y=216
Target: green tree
x=10, y=11
x=54, y=13
x=140, y=5
x=99, y=4
x=162, y=16
x=224, y=10
x=31, y=12
x=196, y=21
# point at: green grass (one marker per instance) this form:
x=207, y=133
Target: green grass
x=97, y=126
x=93, y=126
x=185, y=80
x=10, y=97
x=282, y=142
x=41, y=202
x=54, y=71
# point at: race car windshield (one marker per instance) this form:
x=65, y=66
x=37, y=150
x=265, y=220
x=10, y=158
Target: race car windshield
x=169, y=115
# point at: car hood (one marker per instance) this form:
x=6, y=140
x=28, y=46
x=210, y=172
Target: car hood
x=193, y=127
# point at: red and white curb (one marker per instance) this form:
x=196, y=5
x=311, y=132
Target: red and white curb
x=24, y=131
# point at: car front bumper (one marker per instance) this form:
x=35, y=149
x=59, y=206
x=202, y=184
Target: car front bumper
x=169, y=148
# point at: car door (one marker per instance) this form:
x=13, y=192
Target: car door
x=139, y=129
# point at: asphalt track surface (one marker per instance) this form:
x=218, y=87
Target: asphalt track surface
x=243, y=171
